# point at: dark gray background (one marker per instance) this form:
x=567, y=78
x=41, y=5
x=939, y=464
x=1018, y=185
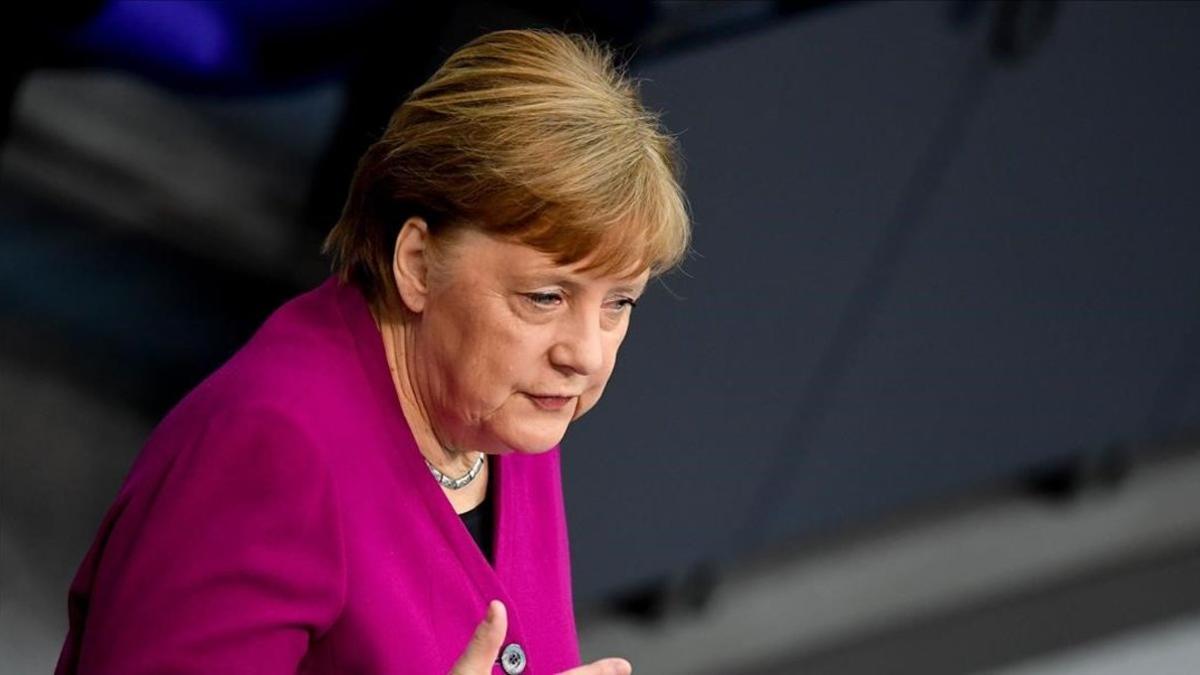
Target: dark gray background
x=921, y=271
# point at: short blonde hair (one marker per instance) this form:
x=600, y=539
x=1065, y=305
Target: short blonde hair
x=532, y=135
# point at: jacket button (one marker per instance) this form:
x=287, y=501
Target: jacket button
x=512, y=659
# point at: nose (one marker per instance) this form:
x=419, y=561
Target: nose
x=579, y=346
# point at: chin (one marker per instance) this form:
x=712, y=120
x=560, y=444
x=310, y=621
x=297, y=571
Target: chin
x=531, y=441
x=535, y=446
x=524, y=430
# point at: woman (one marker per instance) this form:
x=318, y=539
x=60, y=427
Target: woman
x=377, y=469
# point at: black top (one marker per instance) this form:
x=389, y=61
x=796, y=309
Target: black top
x=479, y=522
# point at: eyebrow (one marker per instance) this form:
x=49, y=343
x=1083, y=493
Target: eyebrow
x=636, y=289
x=571, y=284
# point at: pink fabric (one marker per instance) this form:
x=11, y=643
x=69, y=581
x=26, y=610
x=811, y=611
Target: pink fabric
x=281, y=520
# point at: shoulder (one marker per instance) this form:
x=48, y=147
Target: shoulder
x=305, y=358
x=269, y=402
x=305, y=348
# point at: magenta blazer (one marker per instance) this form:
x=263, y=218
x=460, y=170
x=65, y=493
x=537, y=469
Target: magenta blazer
x=281, y=520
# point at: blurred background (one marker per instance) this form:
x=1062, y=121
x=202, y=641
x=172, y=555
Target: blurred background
x=926, y=398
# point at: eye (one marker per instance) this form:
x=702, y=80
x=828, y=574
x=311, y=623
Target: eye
x=622, y=304
x=545, y=300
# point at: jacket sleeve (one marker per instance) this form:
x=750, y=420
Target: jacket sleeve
x=224, y=556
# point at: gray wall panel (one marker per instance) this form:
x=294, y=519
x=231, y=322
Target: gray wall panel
x=791, y=176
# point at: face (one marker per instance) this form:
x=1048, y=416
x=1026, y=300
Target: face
x=509, y=347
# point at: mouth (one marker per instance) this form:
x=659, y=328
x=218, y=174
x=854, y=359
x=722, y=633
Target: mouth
x=551, y=402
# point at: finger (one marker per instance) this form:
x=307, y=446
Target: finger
x=484, y=646
x=611, y=666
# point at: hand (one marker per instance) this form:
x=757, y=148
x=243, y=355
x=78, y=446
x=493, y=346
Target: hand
x=484, y=648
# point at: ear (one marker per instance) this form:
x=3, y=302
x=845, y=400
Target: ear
x=410, y=263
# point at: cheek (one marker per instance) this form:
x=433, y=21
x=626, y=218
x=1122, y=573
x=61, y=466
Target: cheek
x=497, y=361
x=467, y=368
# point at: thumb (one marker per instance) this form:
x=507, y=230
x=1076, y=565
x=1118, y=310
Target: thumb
x=484, y=647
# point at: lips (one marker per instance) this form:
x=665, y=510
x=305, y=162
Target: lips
x=550, y=402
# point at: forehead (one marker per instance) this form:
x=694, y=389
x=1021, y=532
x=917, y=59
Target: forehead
x=483, y=252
